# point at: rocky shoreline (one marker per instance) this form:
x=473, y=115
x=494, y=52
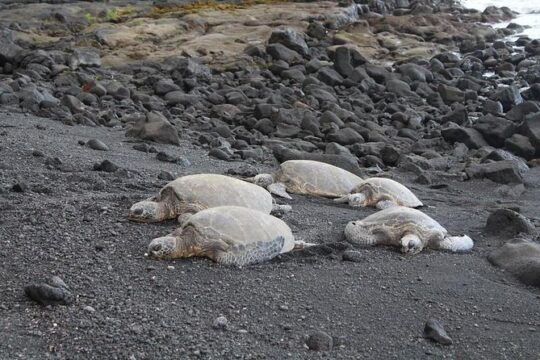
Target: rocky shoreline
x=419, y=91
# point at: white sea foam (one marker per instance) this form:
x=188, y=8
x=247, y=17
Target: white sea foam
x=529, y=13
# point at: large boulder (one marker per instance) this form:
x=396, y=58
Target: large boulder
x=503, y=172
x=520, y=257
x=291, y=39
x=9, y=51
x=506, y=222
x=470, y=137
x=155, y=127
x=509, y=97
x=495, y=130
x=531, y=129
x=83, y=57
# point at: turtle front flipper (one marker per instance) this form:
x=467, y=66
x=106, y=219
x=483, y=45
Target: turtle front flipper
x=252, y=253
x=356, y=199
x=456, y=243
x=385, y=204
x=279, y=189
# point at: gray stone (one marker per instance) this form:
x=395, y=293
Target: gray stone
x=342, y=61
x=506, y=222
x=531, y=129
x=521, y=146
x=414, y=72
x=9, y=51
x=519, y=112
x=83, y=57
x=73, y=104
x=97, y=145
x=106, y=166
x=345, y=136
x=52, y=292
x=520, y=257
x=451, y=94
x=329, y=76
x=458, y=115
x=320, y=341
x=495, y=130
x=509, y=96
x=503, y=172
x=470, y=137
x=155, y=127
x=280, y=52
x=291, y=39
x=435, y=331
x=400, y=88
x=165, y=86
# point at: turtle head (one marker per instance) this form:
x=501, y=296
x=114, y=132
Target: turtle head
x=411, y=244
x=263, y=180
x=162, y=247
x=145, y=211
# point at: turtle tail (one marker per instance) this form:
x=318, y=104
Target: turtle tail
x=456, y=243
x=257, y=252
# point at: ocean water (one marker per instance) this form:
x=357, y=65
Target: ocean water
x=529, y=13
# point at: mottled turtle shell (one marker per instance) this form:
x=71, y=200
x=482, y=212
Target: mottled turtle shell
x=239, y=226
x=392, y=223
x=211, y=190
x=316, y=178
x=387, y=189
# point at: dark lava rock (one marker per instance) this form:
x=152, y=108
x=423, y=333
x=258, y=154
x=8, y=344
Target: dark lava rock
x=145, y=148
x=520, y=257
x=220, y=323
x=219, y=154
x=503, y=172
x=519, y=112
x=353, y=256
x=342, y=61
x=451, y=94
x=390, y=155
x=508, y=222
x=106, y=166
x=458, y=115
x=345, y=136
x=320, y=341
x=521, y=146
x=52, y=292
x=291, y=39
x=509, y=96
x=155, y=127
x=495, y=130
x=73, y=104
x=280, y=52
x=20, y=187
x=531, y=129
x=165, y=175
x=244, y=170
x=492, y=107
x=97, y=145
x=329, y=76
x=165, y=157
x=435, y=331
x=9, y=51
x=470, y=137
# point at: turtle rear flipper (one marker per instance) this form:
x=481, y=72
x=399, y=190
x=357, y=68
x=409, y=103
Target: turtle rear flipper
x=252, y=253
x=456, y=243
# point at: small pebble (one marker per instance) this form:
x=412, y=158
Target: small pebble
x=320, y=341
x=220, y=323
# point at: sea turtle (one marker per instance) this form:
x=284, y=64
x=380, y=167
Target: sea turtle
x=308, y=177
x=189, y=194
x=402, y=226
x=230, y=235
x=380, y=193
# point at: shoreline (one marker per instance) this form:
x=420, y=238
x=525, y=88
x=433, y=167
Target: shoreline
x=292, y=85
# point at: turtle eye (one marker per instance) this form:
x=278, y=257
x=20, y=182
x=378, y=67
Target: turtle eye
x=138, y=211
x=156, y=247
x=411, y=245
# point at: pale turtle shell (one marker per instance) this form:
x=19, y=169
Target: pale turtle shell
x=394, y=222
x=316, y=178
x=388, y=189
x=241, y=226
x=211, y=190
